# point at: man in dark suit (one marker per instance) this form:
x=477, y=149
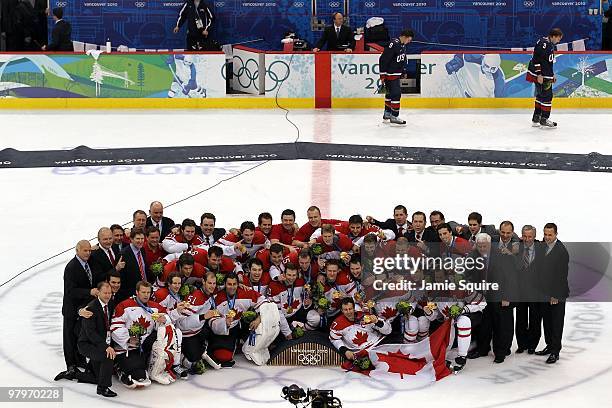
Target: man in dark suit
x=473, y=227
x=135, y=268
x=78, y=290
x=61, y=34
x=337, y=36
x=506, y=240
x=94, y=339
x=423, y=237
x=498, y=319
x=207, y=230
x=398, y=224
x=106, y=258
x=553, y=269
x=156, y=219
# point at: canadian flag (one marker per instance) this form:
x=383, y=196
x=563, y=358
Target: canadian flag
x=424, y=361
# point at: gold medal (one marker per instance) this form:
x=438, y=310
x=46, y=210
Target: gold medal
x=367, y=319
x=231, y=314
x=432, y=305
x=289, y=310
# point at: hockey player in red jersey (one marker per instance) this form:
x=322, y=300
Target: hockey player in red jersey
x=334, y=279
x=183, y=241
x=303, y=236
x=232, y=302
x=284, y=232
x=147, y=343
x=451, y=246
x=264, y=224
x=243, y=245
x=256, y=279
x=466, y=313
x=308, y=268
x=354, y=229
x=288, y=296
x=330, y=241
x=188, y=269
x=272, y=260
x=214, y=261
x=195, y=324
x=353, y=332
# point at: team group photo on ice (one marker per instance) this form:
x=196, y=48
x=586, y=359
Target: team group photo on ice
x=162, y=301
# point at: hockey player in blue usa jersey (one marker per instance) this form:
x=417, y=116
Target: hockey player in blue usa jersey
x=391, y=64
x=541, y=73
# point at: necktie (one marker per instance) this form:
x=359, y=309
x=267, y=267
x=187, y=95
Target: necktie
x=418, y=237
x=526, y=258
x=88, y=273
x=400, y=231
x=207, y=240
x=337, y=31
x=106, y=321
x=473, y=238
x=110, y=256
x=141, y=266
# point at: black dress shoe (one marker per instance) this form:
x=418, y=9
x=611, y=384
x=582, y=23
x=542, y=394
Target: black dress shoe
x=106, y=392
x=543, y=352
x=499, y=359
x=530, y=351
x=552, y=359
x=520, y=350
x=69, y=374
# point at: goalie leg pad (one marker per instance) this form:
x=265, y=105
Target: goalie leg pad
x=164, y=352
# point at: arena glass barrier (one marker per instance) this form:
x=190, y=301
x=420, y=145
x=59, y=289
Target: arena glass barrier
x=267, y=79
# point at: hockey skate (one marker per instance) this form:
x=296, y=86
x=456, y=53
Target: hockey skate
x=126, y=380
x=547, y=123
x=386, y=116
x=181, y=372
x=459, y=364
x=535, y=121
x=396, y=120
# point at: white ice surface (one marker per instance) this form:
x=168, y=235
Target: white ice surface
x=47, y=210
x=578, y=132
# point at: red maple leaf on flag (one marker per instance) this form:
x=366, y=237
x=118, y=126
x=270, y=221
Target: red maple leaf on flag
x=389, y=312
x=400, y=363
x=360, y=338
x=143, y=322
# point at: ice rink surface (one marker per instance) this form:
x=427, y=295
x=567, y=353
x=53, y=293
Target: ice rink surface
x=47, y=210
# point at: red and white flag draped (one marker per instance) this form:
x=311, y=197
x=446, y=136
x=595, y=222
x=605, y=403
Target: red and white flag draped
x=424, y=361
